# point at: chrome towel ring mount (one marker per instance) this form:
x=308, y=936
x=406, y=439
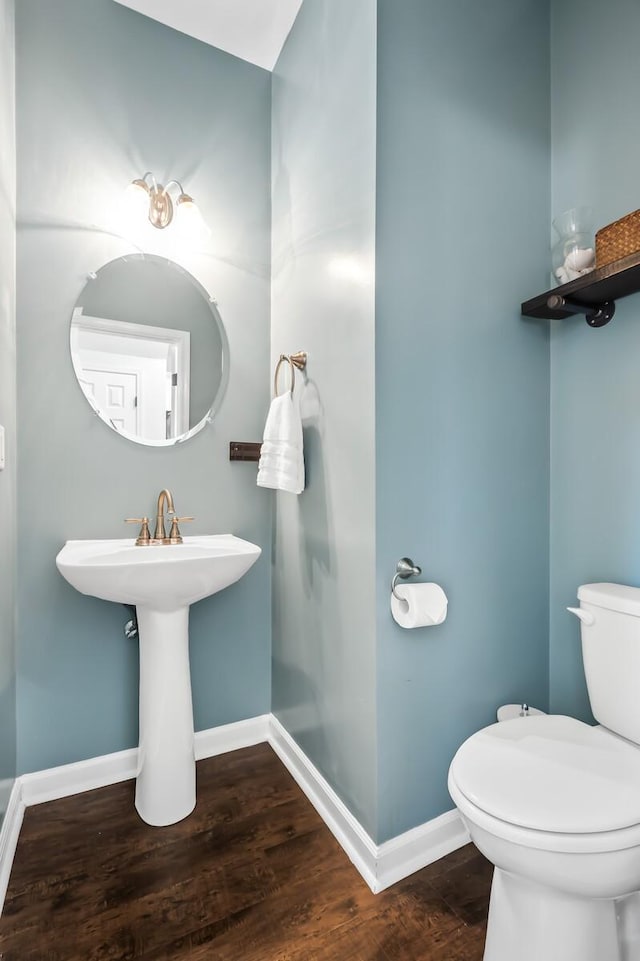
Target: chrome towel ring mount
x=297, y=360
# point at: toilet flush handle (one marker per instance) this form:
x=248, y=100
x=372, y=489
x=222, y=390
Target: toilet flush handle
x=585, y=616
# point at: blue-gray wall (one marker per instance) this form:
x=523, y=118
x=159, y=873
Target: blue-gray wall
x=324, y=682
x=104, y=94
x=454, y=470
x=7, y=404
x=595, y=387
x=462, y=383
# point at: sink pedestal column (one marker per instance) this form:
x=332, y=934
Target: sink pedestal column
x=166, y=782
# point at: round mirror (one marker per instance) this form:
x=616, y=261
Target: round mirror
x=149, y=349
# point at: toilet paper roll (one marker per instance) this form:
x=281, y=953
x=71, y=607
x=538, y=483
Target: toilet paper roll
x=419, y=605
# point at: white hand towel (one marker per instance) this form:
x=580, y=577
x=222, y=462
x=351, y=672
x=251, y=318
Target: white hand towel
x=281, y=458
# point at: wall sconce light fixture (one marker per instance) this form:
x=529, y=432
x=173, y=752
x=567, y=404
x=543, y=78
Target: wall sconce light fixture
x=155, y=200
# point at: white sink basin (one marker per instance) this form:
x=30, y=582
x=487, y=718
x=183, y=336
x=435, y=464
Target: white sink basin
x=161, y=581
x=164, y=577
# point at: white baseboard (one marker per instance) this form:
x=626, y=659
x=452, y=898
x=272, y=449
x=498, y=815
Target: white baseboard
x=380, y=865
x=408, y=852
x=67, y=779
x=346, y=829
x=232, y=737
x=58, y=782
x=9, y=834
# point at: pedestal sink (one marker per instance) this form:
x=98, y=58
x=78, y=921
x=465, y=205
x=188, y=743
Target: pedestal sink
x=162, y=582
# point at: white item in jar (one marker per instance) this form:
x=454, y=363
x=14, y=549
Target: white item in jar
x=580, y=258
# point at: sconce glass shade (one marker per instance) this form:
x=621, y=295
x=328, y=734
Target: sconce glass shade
x=189, y=217
x=137, y=197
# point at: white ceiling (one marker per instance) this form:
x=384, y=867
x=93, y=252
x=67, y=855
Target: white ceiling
x=254, y=30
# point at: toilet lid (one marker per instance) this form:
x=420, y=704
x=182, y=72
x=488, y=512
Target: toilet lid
x=551, y=773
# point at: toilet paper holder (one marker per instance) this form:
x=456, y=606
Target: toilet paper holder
x=405, y=568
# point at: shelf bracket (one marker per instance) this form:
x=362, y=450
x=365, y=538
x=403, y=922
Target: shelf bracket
x=595, y=316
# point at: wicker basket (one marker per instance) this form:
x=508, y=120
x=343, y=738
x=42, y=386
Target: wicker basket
x=618, y=239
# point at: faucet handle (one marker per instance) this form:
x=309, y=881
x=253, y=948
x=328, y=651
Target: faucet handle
x=144, y=537
x=175, y=537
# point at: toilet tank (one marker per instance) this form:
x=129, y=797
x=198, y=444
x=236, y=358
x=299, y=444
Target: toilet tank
x=610, y=629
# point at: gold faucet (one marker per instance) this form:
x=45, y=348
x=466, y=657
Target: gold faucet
x=165, y=497
x=144, y=539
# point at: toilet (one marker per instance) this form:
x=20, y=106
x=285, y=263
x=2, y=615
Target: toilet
x=554, y=804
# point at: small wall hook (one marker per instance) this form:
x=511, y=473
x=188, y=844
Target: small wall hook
x=405, y=568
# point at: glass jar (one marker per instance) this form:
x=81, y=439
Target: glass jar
x=573, y=255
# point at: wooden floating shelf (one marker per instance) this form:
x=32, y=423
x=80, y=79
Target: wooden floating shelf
x=589, y=294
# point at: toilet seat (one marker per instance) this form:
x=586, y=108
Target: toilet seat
x=552, y=775
x=594, y=843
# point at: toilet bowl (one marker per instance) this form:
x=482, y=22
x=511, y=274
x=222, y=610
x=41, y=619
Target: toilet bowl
x=554, y=804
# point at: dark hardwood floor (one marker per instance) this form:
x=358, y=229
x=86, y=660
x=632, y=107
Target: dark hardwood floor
x=252, y=875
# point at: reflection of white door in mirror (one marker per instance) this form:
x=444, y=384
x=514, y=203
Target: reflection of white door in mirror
x=115, y=393
x=139, y=375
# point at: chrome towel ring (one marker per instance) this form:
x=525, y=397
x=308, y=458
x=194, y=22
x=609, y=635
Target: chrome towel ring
x=299, y=360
